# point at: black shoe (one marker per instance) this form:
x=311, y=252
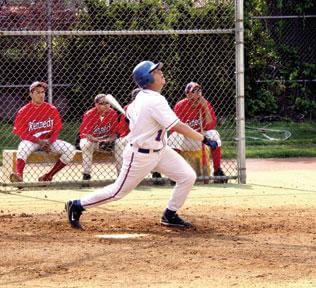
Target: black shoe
x=157, y=179
x=174, y=220
x=220, y=172
x=74, y=211
x=86, y=177
x=172, y=183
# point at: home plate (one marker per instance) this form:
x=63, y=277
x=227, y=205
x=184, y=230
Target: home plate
x=120, y=236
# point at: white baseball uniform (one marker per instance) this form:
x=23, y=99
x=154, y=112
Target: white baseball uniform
x=150, y=117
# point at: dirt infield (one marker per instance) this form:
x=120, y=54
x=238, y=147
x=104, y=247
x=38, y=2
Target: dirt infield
x=262, y=234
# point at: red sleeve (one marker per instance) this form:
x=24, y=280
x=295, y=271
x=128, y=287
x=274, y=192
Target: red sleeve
x=123, y=126
x=84, y=127
x=18, y=124
x=20, y=128
x=212, y=112
x=115, y=124
x=177, y=110
x=57, y=126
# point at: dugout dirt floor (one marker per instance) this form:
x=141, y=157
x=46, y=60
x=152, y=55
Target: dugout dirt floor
x=262, y=234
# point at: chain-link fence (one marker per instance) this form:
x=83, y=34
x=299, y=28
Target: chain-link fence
x=84, y=48
x=287, y=75
x=281, y=77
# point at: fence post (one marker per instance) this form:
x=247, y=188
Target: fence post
x=240, y=91
x=49, y=53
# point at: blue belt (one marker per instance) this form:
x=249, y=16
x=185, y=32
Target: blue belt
x=146, y=151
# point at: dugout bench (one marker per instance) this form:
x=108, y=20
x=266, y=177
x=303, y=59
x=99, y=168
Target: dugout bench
x=9, y=159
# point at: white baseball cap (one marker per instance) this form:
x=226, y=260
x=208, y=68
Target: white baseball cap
x=190, y=86
x=99, y=97
x=38, y=83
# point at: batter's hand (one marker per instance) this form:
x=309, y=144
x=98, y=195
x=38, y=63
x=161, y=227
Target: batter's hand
x=212, y=144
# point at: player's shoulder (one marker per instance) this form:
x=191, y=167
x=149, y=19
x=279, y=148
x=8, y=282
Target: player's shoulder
x=91, y=112
x=25, y=108
x=182, y=102
x=50, y=106
x=112, y=111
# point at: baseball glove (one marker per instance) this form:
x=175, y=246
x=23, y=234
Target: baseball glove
x=106, y=146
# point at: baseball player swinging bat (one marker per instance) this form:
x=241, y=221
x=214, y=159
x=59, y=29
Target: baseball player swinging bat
x=113, y=102
x=204, y=164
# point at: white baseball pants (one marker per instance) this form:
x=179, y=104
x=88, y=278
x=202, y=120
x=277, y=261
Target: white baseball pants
x=64, y=148
x=136, y=166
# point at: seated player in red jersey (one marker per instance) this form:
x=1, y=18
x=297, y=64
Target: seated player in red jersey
x=38, y=124
x=99, y=129
x=193, y=110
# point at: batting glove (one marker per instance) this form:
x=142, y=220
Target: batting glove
x=212, y=144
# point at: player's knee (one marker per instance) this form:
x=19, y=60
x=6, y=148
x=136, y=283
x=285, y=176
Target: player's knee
x=214, y=136
x=68, y=155
x=72, y=152
x=190, y=176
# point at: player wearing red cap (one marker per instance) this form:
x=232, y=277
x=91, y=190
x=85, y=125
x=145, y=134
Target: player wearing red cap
x=99, y=128
x=38, y=124
x=193, y=110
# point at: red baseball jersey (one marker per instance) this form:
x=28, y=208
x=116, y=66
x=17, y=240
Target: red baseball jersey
x=93, y=124
x=191, y=115
x=123, y=125
x=34, y=122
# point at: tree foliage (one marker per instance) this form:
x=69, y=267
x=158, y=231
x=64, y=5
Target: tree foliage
x=280, y=73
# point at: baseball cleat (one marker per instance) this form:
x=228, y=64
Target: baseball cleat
x=86, y=177
x=15, y=178
x=220, y=172
x=157, y=179
x=174, y=221
x=74, y=211
x=45, y=178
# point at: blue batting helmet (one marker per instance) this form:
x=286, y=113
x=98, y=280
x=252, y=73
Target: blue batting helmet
x=141, y=73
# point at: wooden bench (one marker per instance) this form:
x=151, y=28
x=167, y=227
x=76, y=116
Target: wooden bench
x=9, y=159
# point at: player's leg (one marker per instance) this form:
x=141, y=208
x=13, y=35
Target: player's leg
x=135, y=167
x=176, y=168
x=216, y=155
x=119, y=146
x=87, y=147
x=25, y=148
x=67, y=152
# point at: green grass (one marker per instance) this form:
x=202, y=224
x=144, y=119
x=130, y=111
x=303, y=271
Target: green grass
x=302, y=142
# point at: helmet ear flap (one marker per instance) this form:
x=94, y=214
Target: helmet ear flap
x=148, y=80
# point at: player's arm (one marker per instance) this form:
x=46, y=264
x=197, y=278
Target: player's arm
x=86, y=128
x=187, y=131
x=20, y=128
x=209, y=118
x=57, y=127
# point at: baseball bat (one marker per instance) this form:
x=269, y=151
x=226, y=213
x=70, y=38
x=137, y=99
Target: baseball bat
x=113, y=102
x=204, y=162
